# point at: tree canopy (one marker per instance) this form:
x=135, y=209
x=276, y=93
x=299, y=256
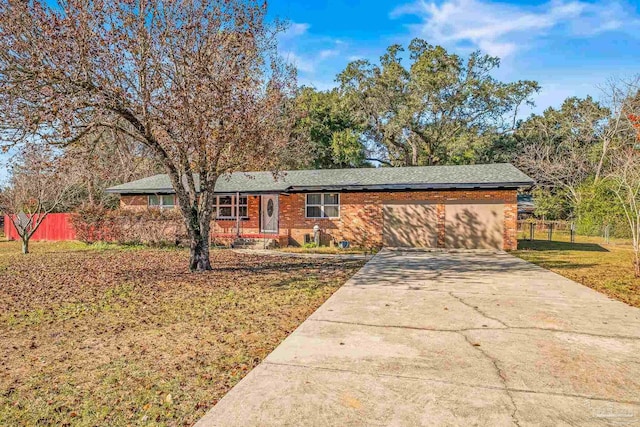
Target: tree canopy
x=334, y=137
x=435, y=110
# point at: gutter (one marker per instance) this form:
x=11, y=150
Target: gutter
x=349, y=187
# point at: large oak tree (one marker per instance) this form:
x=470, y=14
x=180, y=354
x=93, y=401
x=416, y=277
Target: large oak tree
x=198, y=82
x=437, y=106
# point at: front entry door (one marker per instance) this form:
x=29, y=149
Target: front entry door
x=269, y=214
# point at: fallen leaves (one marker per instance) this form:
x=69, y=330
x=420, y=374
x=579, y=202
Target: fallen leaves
x=112, y=337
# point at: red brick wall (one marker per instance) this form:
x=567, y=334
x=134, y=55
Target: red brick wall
x=249, y=225
x=361, y=218
x=134, y=201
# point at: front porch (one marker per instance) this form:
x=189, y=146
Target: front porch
x=248, y=220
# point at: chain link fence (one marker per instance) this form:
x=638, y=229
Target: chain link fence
x=571, y=232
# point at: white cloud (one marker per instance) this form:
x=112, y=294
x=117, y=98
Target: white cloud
x=301, y=63
x=501, y=29
x=328, y=53
x=296, y=29
x=311, y=62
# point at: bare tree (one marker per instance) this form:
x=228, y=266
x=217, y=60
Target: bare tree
x=623, y=100
x=198, y=82
x=566, y=147
x=105, y=159
x=625, y=179
x=623, y=160
x=558, y=146
x=36, y=188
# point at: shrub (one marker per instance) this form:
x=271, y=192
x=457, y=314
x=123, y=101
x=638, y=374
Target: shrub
x=92, y=224
x=152, y=227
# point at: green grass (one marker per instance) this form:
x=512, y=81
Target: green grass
x=8, y=247
x=605, y=268
x=107, y=335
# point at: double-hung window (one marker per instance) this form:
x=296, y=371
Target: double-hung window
x=322, y=205
x=162, y=201
x=226, y=207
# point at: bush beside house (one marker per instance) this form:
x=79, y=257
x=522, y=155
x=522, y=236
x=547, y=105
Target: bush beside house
x=152, y=227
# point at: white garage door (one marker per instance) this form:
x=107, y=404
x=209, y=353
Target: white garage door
x=474, y=225
x=410, y=225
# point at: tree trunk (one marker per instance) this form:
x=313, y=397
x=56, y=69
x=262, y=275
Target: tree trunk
x=414, y=155
x=199, y=252
x=25, y=246
x=196, y=213
x=90, y=191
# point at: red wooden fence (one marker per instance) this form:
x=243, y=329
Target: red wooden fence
x=56, y=226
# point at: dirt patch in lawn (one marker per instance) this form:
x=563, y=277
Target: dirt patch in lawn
x=119, y=337
x=605, y=268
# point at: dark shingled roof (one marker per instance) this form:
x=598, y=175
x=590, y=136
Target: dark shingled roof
x=502, y=175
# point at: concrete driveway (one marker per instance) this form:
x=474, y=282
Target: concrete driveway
x=433, y=338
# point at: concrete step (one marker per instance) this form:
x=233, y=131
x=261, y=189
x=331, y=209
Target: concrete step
x=250, y=243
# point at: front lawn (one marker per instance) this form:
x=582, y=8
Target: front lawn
x=605, y=268
x=127, y=336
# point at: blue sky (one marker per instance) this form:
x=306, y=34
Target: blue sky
x=569, y=47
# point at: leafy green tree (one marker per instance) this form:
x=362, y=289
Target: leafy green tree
x=440, y=109
x=330, y=129
x=550, y=205
x=598, y=209
x=503, y=148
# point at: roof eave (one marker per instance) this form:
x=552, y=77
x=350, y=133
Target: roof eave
x=399, y=187
x=172, y=191
x=115, y=190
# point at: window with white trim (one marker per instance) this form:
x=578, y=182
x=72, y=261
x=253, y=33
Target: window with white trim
x=162, y=201
x=225, y=207
x=322, y=205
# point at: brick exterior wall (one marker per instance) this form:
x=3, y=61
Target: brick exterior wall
x=134, y=201
x=361, y=215
x=250, y=225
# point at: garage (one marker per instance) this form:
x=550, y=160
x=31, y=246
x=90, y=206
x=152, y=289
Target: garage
x=410, y=225
x=477, y=225
x=467, y=225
